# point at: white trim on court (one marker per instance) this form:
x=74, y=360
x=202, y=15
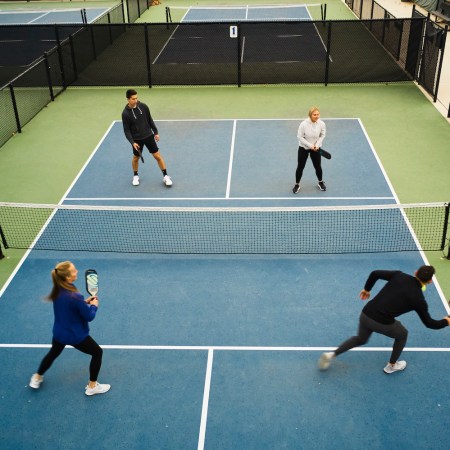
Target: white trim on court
x=222, y=198
x=204, y=417
x=230, y=164
x=211, y=348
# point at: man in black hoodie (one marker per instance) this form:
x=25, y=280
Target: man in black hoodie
x=401, y=294
x=140, y=130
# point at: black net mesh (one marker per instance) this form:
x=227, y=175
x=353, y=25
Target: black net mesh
x=386, y=228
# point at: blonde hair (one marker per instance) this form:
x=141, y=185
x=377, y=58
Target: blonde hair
x=312, y=109
x=59, y=277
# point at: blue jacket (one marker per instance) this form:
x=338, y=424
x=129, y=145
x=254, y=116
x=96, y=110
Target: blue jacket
x=72, y=315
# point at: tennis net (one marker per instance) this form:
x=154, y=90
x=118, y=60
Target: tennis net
x=303, y=230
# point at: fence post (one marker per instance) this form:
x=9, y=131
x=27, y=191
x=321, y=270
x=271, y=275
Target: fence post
x=109, y=29
x=60, y=58
x=239, y=68
x=147, y=50
x=399, y=44
x=16, y=111
x=327, y=61
x=72, y=52
x=441, y=60
x=91, y=30
x=49, y=76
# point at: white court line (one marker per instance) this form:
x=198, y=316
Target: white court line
x=230, y=165
x=237, y=348
x=37, y=18
x=204, y=416
x=221, y=198
x=405, y=218
x=25, y=256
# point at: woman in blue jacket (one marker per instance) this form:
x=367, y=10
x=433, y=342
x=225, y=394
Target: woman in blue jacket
x=72, y=315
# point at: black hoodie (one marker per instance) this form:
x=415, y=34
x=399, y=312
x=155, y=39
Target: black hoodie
x=138, y=123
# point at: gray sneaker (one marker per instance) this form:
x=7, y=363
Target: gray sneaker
x=325, y=360
x=36, y=381
x=399, y=365
x=98, y=389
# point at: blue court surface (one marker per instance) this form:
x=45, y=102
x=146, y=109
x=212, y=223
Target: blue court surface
x=242, y=13
x=220, y=352
x=26, y=17
x=235, y=163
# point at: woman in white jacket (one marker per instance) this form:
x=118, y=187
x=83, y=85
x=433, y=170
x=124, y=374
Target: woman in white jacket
x=311, y=134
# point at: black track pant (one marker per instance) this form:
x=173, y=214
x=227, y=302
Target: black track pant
x=303, y=154
x=88, y=346
x=367, y=326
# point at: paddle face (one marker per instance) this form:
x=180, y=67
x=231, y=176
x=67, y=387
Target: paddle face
x=91, y=282
x=325, y=154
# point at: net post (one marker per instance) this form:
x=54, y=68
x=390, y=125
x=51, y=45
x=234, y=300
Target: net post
x=444, y=231
x=321, y=11
x=325, y=12
x=5, y=244
x=2, y=236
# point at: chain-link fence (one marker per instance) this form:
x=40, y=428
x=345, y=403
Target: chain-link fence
x=430, y=44
x=158, y=54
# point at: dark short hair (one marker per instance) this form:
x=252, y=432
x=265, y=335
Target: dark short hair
x=130, y=93
x=425, y=273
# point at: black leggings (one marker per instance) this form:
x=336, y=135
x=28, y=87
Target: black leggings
x=367, y=326
x=301, y=163
x=88, y=346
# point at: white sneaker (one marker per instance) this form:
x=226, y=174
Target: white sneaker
x=136, y=180
x=167, y=181
x=325, y=360
x=36, y=381
x=399, y=365
x=98, y=389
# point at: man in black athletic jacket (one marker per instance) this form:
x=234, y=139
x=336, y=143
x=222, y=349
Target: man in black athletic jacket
x=401, y=294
